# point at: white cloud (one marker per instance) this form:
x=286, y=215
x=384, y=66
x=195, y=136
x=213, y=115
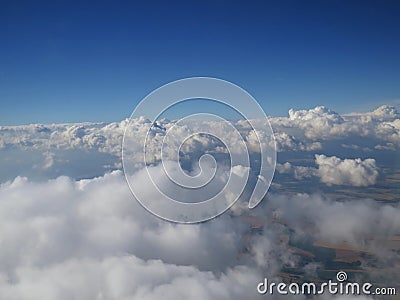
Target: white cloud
x=89, y=239
x=382, y=112
x=355, y=172
x=335, y=171
x=127, y=277
x=63, y=239
x=286, y=142
x=300, y=131
x=318, y=129
x=321, y=124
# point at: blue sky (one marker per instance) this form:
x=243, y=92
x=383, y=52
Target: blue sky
x=81, y=61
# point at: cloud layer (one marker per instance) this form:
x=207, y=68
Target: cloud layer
x=90, y=239
x=335, y=171
x=64, y=237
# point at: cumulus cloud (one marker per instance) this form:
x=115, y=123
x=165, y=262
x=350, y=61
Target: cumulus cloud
x=356, y=222
x=321, y=124
x=318, y=129
x=73, y=238
x=356, y=172
x=286, y=142
x=90, y=239
x=335, y=171
x=128, y=277
x=383, y=112
x=302, y=130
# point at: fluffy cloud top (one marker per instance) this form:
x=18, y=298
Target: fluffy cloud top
x=320, y=114
x=356, y=172
x=91, y=149
x=321, y=124
x=303, y=130
x=335, y=171
x=88, y=239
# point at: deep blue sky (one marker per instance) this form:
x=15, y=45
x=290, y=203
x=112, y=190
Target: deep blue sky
x=82, y=61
